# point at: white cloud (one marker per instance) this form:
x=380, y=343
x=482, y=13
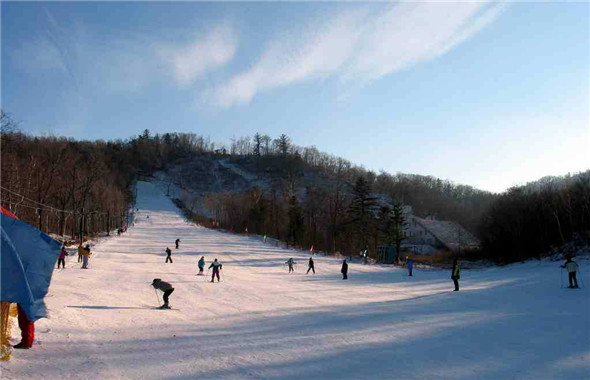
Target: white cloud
x=360, y=45
x=204, y=53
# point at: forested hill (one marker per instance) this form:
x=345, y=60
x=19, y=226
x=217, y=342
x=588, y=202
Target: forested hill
x=267, y=186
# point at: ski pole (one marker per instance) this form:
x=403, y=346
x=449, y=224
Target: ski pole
x=158, y=297
x=207, y=275
x=581, y=280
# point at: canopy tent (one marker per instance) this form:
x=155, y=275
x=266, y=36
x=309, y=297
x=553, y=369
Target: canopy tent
x=28, y=257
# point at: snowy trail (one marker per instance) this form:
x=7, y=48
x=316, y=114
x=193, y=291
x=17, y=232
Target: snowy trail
x=263, y=323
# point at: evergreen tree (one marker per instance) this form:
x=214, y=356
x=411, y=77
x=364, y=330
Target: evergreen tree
x=397, y=226
x=362, y=210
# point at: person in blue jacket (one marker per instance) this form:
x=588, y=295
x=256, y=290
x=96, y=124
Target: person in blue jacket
x=410, y=263
x=290, y=262
x=201, y=266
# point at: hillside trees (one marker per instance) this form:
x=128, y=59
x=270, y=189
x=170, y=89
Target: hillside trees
x=527, y=220
x=362, y=211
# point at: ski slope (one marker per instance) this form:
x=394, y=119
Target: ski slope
x=260, y=322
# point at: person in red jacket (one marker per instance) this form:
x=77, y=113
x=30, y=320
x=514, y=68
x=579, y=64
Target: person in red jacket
x=27, y=329
x=62, y=257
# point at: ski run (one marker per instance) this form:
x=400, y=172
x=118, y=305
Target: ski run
x=260, y=322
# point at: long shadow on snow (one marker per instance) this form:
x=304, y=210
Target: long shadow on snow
x=407, y=340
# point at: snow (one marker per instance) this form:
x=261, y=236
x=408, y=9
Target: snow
x=260, y=322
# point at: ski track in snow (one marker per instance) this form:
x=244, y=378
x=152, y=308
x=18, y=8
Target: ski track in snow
x=262, y=323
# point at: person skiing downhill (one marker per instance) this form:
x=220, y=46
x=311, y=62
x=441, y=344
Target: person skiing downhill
x=290, y=262
x=177, y=242
x=168, y=255
x=216, y=265
x=311, y=266
x=571, y=267
x=62, y=257
x=201, y=265
x=344, y=270
x=456, y=274
x=164, y=287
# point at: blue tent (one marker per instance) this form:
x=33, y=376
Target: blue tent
x=28, y=257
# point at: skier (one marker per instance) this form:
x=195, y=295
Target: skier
x=311, y=266
x=177, y=242
x=571, y=267
x=290, y=262
x=216, y=265
x=62, y=257
x=201, y=266
x=166, y=288
x=344, y=270
x=168, y=255
x=265, y=237
x=85, y=253
x=27, y=328
x=410, y=263
x=456, y=274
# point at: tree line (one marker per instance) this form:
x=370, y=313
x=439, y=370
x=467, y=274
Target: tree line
x=527, y=221
x=314, y=198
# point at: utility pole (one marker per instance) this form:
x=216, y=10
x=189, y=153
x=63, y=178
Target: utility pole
x=82, y=217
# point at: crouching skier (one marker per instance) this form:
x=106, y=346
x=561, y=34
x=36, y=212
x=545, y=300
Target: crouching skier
x=166, y=288
x=216, y=265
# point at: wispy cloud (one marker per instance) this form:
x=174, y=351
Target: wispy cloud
x=204, y=53
x=121, y=61
x=360, y=46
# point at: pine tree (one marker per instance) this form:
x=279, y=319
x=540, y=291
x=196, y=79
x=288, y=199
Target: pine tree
x=362, y=210
x=397, y=222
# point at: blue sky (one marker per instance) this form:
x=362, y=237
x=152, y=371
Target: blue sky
x=482, y=93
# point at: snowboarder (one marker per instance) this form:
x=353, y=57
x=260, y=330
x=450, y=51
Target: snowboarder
x=290, y=262
x=27, y=328
x=410, y=263
x=344, y=270
x=216, y=265
x=456, y=274
x=166, y=288
x=571, y=267
x=201, y=266
x=177, y=242
x=62, y=257
x=311, y=266
x=168, y=255
x=85, y=253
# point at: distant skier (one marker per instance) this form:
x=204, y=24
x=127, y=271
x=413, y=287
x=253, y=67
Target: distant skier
x=216, y=265
x=456, y=274
x=177, y=242
x=410, y=263
x=571, y=267
x=265, y=237
x=201, y=266
x=166, y=288
x=168, y=255
x=85, y=253
x=290, y=262
x=62, y=257
x=311, y=266
x=344, y=270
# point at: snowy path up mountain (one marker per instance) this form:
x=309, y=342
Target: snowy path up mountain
x=263, y=323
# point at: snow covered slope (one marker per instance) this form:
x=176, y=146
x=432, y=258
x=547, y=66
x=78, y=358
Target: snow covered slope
x=262, y=323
